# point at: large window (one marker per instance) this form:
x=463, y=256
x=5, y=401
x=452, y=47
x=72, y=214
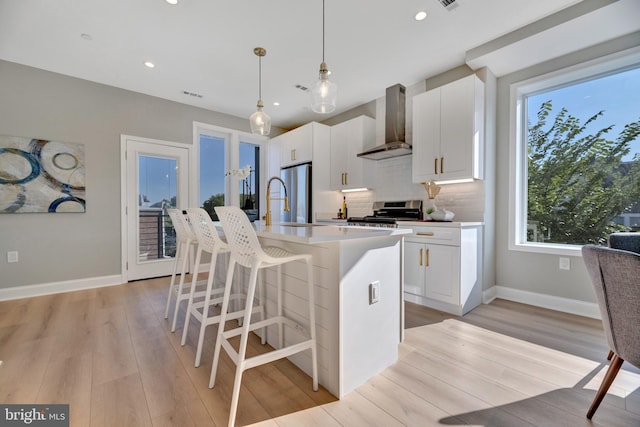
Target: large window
x=577, y=156
x=229, y=165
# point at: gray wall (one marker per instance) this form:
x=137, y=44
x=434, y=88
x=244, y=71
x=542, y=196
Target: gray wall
x=526, y=271
x=36, y=103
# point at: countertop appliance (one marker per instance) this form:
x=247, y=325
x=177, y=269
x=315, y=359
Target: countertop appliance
x=297, y=179
x=387, y=214
x=394, y=129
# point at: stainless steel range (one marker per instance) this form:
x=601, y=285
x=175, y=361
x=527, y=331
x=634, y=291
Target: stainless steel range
x=387, y=214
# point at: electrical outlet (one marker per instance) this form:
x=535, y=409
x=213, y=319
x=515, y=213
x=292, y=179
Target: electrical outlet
x=374, y=292
x=565, y=263
x=12, y=256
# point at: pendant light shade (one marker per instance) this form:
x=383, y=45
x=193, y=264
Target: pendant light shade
x=324, y=93
x=260, y=121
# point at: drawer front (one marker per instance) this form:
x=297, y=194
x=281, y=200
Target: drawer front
x=441, y=235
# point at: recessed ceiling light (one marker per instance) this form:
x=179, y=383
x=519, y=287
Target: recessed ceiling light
x=172, y=1
x=86, y=36
x=276, y=104
x=420, y=15
x=149, y=64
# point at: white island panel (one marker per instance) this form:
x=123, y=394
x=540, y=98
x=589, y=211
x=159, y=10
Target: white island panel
x=356, y=340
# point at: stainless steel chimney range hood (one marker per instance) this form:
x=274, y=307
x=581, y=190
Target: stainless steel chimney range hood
x=395, y=144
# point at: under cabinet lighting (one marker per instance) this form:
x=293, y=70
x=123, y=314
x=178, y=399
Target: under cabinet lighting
x=455, y=181
x=353, y=190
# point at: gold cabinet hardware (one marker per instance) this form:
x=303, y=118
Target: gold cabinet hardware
x=441, y=164
x=426, y=258
x=435, y=165
x=345, y=180
x=293, y=154
x=420, y=257
x=424, y=233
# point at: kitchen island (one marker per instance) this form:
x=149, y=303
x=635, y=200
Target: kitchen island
x=356, y=337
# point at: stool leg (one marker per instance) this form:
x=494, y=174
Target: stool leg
x=180, y=286
x=173, y=278
x=187, y=317
x=312, y=324
x=242, y=349
x=223, y=319
x=262, y=303
x=279, y=291
x=205, y=309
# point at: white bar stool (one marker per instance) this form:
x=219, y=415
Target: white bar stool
x=208, y=241
x=185, y=238
x=247, y=251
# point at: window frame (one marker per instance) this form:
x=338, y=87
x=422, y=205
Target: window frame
x=232, y=139
x=517, y=233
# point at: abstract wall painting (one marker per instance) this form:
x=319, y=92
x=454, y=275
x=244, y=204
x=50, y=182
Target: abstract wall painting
x=39, y=175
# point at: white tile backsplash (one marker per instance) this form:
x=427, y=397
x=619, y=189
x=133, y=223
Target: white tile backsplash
x=392, y=180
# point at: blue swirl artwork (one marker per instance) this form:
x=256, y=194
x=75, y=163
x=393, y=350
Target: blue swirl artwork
x=39, y=175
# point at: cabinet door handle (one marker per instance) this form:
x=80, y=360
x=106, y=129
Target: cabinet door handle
x=424, y=233
x=426, y=258
x=435, y=165
x=441, y=164
x=420, y=257
x=293, y=154
x=346, y=178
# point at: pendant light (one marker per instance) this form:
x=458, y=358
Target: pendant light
x=260, y=121
x=323, y=92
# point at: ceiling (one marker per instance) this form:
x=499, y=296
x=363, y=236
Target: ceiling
x=206, y=47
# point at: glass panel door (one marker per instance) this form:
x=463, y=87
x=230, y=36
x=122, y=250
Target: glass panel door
x=157, y=180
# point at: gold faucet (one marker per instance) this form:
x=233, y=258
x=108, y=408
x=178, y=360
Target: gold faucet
x=286, y=199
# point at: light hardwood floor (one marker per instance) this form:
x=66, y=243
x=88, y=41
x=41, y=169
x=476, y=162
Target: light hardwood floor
x=108, y=353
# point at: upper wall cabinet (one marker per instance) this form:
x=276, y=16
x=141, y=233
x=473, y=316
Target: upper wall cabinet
x=347, y=140
x=448, y=132
x=296, y=146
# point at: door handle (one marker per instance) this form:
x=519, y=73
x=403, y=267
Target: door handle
x=435, y=165
x=293, y=154
x=441, y=164
x=346, y=178
x=426, y=258
x=420, y=257
x=424, y=233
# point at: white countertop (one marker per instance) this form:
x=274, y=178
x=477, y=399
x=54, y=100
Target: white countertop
x=316, y=233
x=456, y=224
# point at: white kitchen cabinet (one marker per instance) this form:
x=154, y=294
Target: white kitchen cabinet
x=448, y=132
x=347, y=140
x=296, y=146
x=443, y=266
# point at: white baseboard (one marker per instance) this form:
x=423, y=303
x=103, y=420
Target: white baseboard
x=566, y=305
x=27, y=291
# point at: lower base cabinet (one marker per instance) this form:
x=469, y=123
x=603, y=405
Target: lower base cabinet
x=443, y=268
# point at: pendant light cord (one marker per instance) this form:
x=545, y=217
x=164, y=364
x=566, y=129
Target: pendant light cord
x=322, y=30
x=259, y=77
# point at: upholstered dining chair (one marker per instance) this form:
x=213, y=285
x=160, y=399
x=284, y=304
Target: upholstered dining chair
x=625, y=240
x=614, y=274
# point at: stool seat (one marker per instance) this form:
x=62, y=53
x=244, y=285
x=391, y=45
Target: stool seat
x=247, y=251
